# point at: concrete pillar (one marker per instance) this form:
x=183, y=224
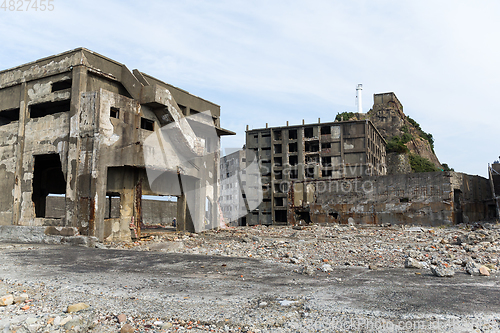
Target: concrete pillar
x=19, y=153
x=181, y=212
x=79, y=85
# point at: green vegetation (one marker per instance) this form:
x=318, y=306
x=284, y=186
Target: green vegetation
x=422, y=134
x=406, y=137
x=446, y=167
x=344, y=116
x=396, y=145
x=421, y=164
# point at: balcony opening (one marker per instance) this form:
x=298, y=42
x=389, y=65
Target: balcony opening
x=8, y=116
x=326, y=161
x=292, y=134
x=308, y=132
x=326, y=130
x=61, y=85
x=147, y=124
x=280, y=216
x=311, y=146
x=45, y=109
x=293, y=160
x=292, y=147
x=48, y=179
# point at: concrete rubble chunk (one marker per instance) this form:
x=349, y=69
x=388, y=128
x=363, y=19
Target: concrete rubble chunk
x=6, y=300
x=413, y=263
x=61, y=231
x=327, y=268
x=127, y=328
x=472, y=268
x=20, y=298
x=485, y=271
x=77, y=307
x=441, y=270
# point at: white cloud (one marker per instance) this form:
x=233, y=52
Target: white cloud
x=272, y=61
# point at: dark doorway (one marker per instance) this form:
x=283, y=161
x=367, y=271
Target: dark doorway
x=48, y=178
x=457, y=196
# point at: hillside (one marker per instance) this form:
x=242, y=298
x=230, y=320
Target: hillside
x=403, y=134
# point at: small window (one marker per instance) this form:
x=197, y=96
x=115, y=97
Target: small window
x=114, y=112
x=308, y=132
x=293, y=160
x=294, y=174
x=292, y=134
x=310, y=172
x=326, y=130
x=326, y=161
x=182, y=108
x=277, y=135
x=277, y=149
x=61, y=85
x=147, y=124
x=8, y=116
x=326, y=173
x=292, y=147
x=326, y=145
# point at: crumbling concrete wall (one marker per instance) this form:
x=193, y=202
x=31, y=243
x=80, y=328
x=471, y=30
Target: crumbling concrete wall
x=398, y=164
x=433, y=198
x=71, y=121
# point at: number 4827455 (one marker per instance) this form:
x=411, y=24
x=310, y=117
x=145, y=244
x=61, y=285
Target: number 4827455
x=26, y=5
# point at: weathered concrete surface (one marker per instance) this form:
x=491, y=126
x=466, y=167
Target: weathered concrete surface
x=170, y=284
x=430, y=198
x=45, y=235
x=70, y=121
x=388, y=117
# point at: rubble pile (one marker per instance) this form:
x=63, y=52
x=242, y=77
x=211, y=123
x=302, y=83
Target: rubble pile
x=443, y=250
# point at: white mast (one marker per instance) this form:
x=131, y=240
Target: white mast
x=359, y=101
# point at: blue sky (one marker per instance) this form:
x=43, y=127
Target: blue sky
x=273, y=61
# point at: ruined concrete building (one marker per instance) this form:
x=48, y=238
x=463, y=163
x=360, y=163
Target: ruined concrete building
x=337, y=172
x=232, y=182
x=83, y=126
x=293, y=155
x=427, y=198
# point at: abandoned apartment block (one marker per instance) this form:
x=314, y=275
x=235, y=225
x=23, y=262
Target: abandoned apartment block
x=339, y=172
x=81, y=136
x=295, y=155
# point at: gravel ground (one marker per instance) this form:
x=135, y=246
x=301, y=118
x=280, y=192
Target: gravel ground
x=313, y=263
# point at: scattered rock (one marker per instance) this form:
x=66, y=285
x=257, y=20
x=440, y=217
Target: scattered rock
x=6, y=300
x=442, y=270
x=327, y=268
x=77, y=307
x=308, y=270
x=20, y=298
x=412, y=263
x=472, y=268
x=166, y=326
x=127, y=328
x=121, y=318
x=485, y=271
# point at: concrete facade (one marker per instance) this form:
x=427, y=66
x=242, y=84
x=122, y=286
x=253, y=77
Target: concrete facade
x=233, y=176
x=293, y=154
x=429, y=198
x=85, y=126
